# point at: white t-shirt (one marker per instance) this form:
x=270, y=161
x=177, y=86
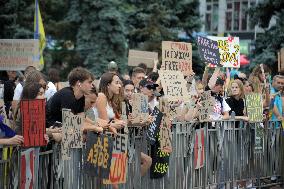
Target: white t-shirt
x=217, y=111
x=50, y=91
x=153, y=103
x=18, y=92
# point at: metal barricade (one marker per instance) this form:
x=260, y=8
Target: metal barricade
x=229, y=154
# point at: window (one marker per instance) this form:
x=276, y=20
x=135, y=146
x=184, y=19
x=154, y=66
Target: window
x=237, y=17
x=211, y=16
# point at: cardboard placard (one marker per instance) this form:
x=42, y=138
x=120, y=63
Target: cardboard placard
x=208, y=50
x=169, y=108
x=254, y=107
x=174, y=85
x=207, y=106
x=166, y=135
x=177, y=56
x=154, y=126
x=98, y=155
x=119, y=163
x=140, y=108
x=229, y=49
x=136, y=57
x=199, y=149
x=33, y=122
x=17, y=54
x=71, y=133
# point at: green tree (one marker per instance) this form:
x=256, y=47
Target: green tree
x=101, y=35
x=267, y=44
x=155, y=21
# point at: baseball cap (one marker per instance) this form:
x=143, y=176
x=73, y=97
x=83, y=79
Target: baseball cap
x=150, y=85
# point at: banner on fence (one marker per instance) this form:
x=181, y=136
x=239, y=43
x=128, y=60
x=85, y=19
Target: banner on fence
x=199, y=152
x=71, y=133
x=229, y=49
x=140, y=109
x=136, y=57
x=98, y=155
x=166, y=135
x=33, y=122
x=154, y=126
x=160, y=162
x=27, y=168
x=174, y=85
x=207, y=106
x=119, y=163
x=254, y=107
x=17, y=54
x=208, y=50
x=177, y=56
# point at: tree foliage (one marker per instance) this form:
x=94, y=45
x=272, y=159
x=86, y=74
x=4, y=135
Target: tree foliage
x=268, y=43
x=92, y=33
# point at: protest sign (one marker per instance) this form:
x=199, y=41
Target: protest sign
x=140, y=109
x=207, y=106
x=33, y=122
x=154, y=126
x=17, y=54
x=172, y=109
x=208, y=50
x=174, y=85
x=98, y=155
x=71, y=132
x=136, y=57
x=177, y=56
x=229, y=49
x=199, y=150
x=160, y=162
x=254, y=107
x=118, y=169
x=27, y=178
x=166, y=135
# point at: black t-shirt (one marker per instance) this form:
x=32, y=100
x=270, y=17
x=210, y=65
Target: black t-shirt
x=9, y=87
x=236, y=105
x=63, y=99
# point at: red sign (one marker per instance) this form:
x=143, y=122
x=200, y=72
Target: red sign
x=33, y=122
x=199, y=149
x=27, y=169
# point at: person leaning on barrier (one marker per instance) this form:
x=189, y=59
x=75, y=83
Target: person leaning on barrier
x=221, y=108
x=236, y=99
x=108, y=103
x=80, y=81
x=33, y=77
x=146, y=161
x=31, y=90
x=95, y=124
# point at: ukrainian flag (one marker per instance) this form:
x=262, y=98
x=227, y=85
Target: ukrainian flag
x=39, y=31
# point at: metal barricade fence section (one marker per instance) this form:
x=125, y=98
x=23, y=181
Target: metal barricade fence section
x=225, y=154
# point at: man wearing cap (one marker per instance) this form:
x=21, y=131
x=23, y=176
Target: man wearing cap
x=148, y=88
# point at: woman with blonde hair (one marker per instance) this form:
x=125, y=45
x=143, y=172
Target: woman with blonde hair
x=236, y=99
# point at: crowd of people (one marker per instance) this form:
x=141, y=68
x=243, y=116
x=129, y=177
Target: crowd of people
x=104, y=98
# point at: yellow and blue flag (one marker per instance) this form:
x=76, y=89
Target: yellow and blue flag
x=39, y=31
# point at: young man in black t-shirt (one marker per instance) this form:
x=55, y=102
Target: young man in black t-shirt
x=72, y=97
